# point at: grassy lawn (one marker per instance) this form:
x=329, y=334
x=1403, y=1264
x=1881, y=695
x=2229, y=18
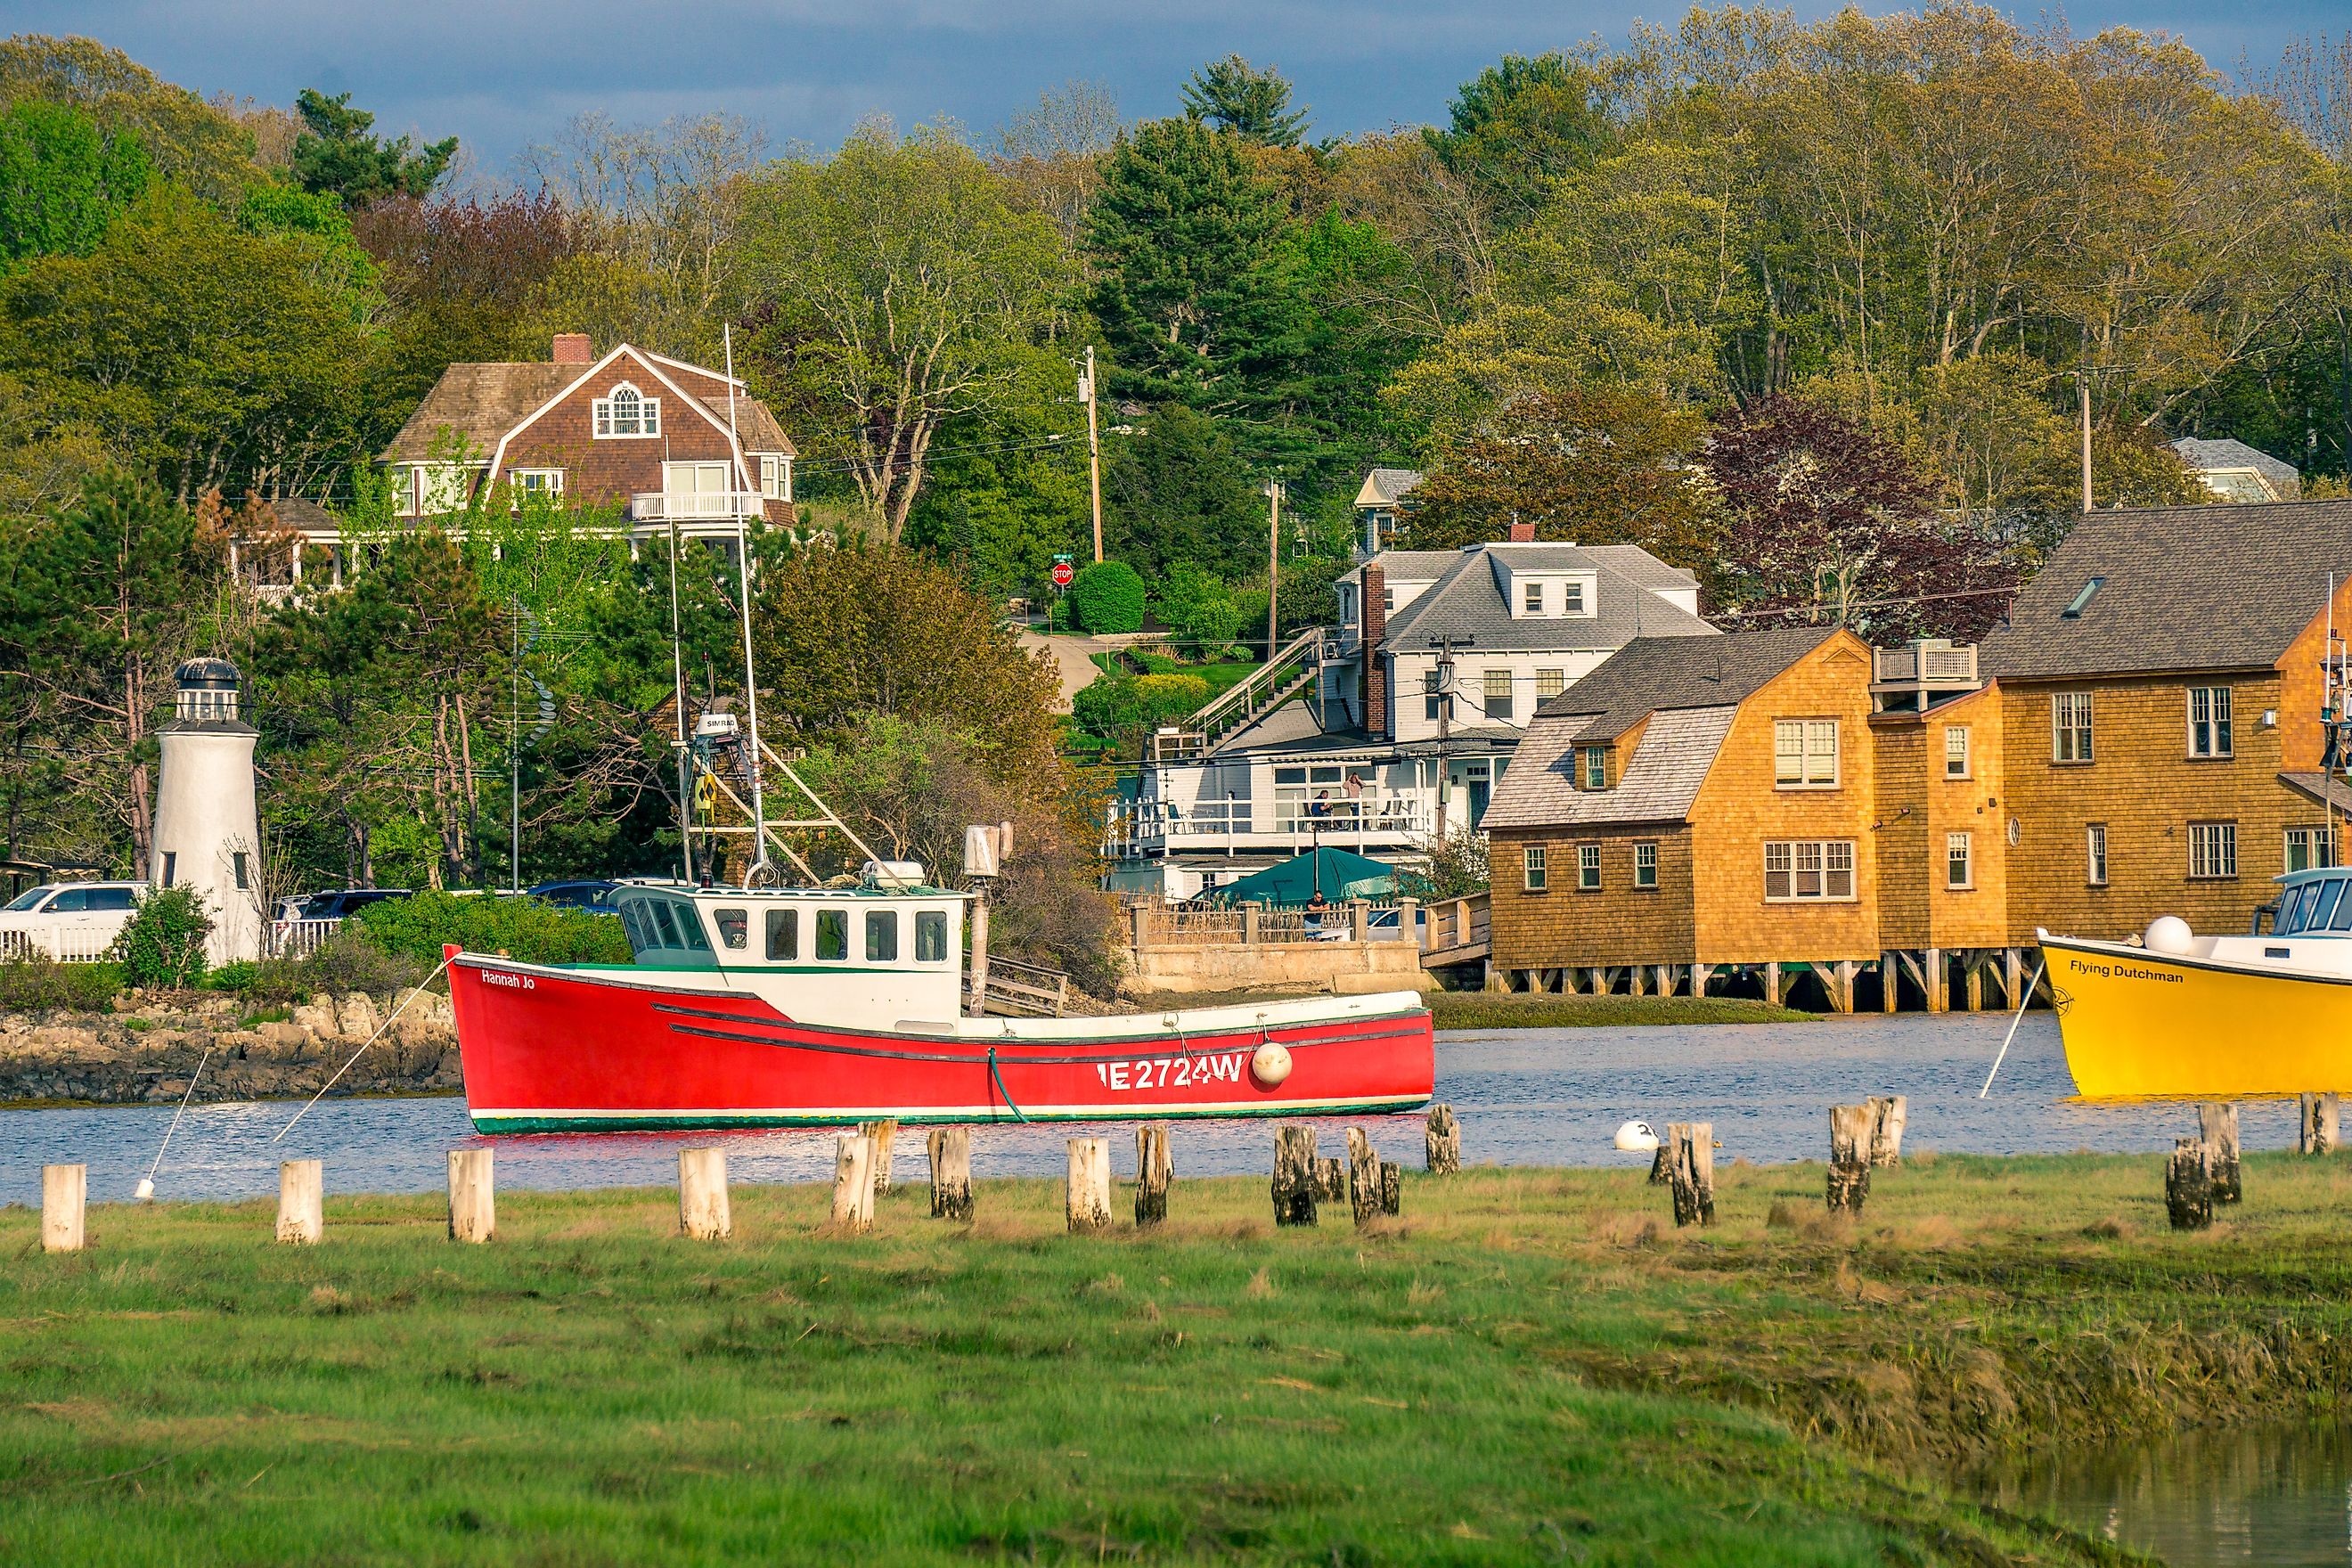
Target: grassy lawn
x=1546, y=1010
x=1527, y=1368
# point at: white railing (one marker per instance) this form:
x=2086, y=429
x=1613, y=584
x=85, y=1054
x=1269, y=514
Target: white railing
x=300, y=939
x=56, y=946
x=1934, y=662
x=657, y=506
x=1136, y=825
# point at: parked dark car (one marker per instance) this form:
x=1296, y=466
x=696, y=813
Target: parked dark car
x=335, y=904
x=584, y=893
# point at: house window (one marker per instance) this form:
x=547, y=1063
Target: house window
x=931, y=936
x=1531, y=868
x=1532, y=598
x=1956, y=751
x=1804, y=753
x=2208, y=720
x=775, y=476
x=2070, y=727
x=627, y=412
x=2306, y=848
x=404, y=491
x=1499, y=694
x=1588, y=867
x=1646, y=865
x=2212, y=849
x=1550, y=683
x=1957, y=868
x=546, y=481
x=1571, y=598
x=440, y=489
x=2096, y=854
x=783, y=935
x=1388, y=599
x=1429, y=697
x=1596, y=767
x=881, y=936
x=1808, y=870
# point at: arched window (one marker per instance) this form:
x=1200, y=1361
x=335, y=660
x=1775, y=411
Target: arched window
x=626, y=411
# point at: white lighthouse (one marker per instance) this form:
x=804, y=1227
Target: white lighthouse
x=207, y=833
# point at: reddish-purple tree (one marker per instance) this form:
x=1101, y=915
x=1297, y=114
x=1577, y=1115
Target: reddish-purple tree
x=1825, y=523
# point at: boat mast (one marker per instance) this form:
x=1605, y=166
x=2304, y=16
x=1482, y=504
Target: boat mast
x=760, y=870
x=678, y=672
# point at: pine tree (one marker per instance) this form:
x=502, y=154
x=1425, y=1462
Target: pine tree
x=1232, y=95
x=337, y=154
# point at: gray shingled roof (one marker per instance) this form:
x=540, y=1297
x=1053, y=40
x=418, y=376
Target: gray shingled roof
x=2186, y=588
x=1413, y=566
x=482, y=402
x=1654, y=673
x=1386, y=487
x=2229, y=453
x=1660, y=782
x=1467, y=602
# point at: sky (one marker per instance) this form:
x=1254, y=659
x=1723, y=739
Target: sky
x=501, y=75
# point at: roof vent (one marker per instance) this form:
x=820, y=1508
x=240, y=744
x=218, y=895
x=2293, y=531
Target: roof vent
x=2082, y=601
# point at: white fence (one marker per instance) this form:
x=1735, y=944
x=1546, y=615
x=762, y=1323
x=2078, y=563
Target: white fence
x=57, y=946
x=300, y=939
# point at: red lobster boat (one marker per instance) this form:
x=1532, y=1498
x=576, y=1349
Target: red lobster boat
x=782, y=1007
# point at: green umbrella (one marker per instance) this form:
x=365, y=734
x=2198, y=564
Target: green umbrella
x=1339, y=873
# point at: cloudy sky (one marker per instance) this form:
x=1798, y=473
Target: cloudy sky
x=503, y=74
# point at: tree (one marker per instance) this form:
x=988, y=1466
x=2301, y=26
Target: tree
x=1107, y=597
x=1232, y=95
x=1050, y=157
x=898, y=289
x=851, y=632
x=1179, y=492
x=195, y=144
x=63, y=181
x=1826, y=524
x=1590, y=464
x=337, y=155
x=1521, y=124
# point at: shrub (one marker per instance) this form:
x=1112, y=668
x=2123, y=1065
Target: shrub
x=163, y=945
x=1197, y=606
x=346, y=961
x=416, y=928
x=1123, y=709
x=1107, y=598
x=31, y=982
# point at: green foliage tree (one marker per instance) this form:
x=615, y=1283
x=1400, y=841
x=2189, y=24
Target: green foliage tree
x=163, y=945
x=195, y=144
x=1523, y=123
x=898, y=290
x=1107, y=597
x=417, y=928
x=1120, y=713
x=1197, y=606
x=63, y=181
x=337, y=154
x=1179, y=492
x=1235, y=96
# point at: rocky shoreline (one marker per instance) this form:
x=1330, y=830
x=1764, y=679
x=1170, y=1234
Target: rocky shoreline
x=145, y=1051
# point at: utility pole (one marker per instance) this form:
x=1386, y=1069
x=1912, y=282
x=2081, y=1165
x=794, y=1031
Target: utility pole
x=1446, y=647
x=1094, y=449
x=1273, y=562
x=2082, y=380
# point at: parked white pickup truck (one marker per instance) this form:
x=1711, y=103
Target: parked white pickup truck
x=72, y=923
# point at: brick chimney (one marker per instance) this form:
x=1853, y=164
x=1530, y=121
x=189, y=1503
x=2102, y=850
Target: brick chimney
x=1523, y=530
x=1373, y=619
x=574, y=348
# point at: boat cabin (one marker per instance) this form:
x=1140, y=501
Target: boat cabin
x=2312, y=903
x=899, y=948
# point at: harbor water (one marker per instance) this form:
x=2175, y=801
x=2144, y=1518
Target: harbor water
x=1528, y=1097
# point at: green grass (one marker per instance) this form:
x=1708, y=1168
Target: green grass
x=1527, y=1367
x=1221, y=674
x=1526, y=1010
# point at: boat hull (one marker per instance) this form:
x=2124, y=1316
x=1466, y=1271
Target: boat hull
x=552, y=1050
x=2139, y=1025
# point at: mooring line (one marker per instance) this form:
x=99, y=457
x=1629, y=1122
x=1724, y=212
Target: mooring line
x=372, y=1039
x=2025, y=998
x=147, y=1183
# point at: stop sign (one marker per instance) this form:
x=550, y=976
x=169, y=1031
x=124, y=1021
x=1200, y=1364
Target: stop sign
x=1063, y=572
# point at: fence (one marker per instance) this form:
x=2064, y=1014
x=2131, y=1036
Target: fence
x=57, y=946
x=1173, y=925
x=1023, y=989
x=300, y=939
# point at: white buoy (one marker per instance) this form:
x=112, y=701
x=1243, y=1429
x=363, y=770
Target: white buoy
x=146, y=1188
x=2169, y=933
x=1270, y=1064
x=1637, y=1138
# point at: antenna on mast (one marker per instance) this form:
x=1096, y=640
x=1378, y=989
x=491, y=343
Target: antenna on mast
x=760, y=870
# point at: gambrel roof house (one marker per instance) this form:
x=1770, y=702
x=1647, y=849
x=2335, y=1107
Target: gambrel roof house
x=2237, y=472
x=659, y=438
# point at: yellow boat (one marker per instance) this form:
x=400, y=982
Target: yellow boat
x=2179, y=1016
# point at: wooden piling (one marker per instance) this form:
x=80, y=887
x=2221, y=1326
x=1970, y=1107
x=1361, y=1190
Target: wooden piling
x=885, y=1134
x=301, y=1202
x=950, y=1148
x=1888, y=1114
x=2216, y=1125
x=1851, y=1129
x=2317, y=1124
x=1660, y=1173
x=1363, y=1175
x=853, y=1184
x=704, y=1213
x=1089, y=1193
x=473, y=1198
x=65, y=1198
x=1154, y=1171
x=1332, y=1180
x=1442, y=1142
x=2188, y=1185
x=1391, y=1187
x=1690, y=1171
x=1294, y=1175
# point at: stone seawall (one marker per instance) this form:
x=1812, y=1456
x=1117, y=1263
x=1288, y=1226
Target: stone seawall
x=145, y=1050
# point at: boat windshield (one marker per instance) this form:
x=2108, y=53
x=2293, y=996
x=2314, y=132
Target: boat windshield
x=2315, y=906
x=664, y=930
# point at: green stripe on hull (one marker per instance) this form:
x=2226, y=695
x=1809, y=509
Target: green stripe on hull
x=688, y=1122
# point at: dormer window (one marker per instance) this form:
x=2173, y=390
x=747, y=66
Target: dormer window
x=627, y=412
x=1571, y=598
x=775, y=476
x=1535, y=598
x=1596, y=767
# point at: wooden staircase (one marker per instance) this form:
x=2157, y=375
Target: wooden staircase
x=1289, y=672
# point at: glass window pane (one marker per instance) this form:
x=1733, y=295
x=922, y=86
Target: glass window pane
x=783, y=935
x=734, y=928
x=832, y=935
x=2342, y=919
x=2324, y=910
x=690, y=929
x=881, y=936
x=931, y=936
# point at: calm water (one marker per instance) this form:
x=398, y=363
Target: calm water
x=1525, y=1097
x=2280, y=1496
